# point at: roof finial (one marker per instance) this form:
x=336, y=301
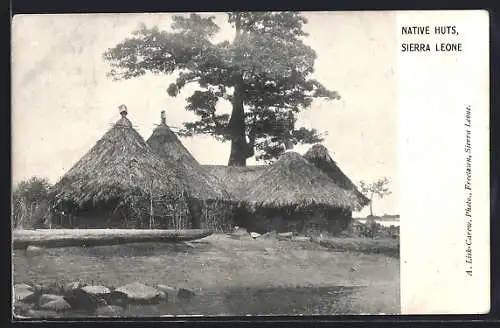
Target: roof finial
x=123, y=110
x=163, y=118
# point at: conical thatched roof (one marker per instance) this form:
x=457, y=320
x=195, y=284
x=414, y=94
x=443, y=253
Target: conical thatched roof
x=201, y=184
x=119, y=164
x=293, y=181
x=319, y=156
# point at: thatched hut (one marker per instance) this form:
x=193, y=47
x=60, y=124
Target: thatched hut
x=319, y=156
x=294, y=195
x=121, y=182
x=213, y=204
x=235, y=179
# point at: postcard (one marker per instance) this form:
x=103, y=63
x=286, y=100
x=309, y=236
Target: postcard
x=250, y=164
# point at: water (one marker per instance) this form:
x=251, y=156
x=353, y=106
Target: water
x=230, y=277
x=383, y=222
x=242, y=301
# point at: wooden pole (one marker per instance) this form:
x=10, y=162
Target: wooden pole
x=30, y=217
x=150, y=208
x=49, y=217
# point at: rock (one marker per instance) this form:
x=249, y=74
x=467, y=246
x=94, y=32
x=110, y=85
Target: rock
x=285, y=234
x=40, y=288
x=163, y=296
x=255, y=235
x=24, y=293
x=46, y=298
x=96, y=290
x=302, y=238
x=109, y=311
x=58, y=305
x=23, y=286
x=185, y=293
x=239, y=231
x=137, y=291
x=269, y=235
x=73, y=285
x=170, y=291
x=42, y=314
x=34, y=249
x=116, y=298
x=81, y=300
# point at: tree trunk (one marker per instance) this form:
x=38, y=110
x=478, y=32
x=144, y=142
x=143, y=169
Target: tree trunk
x=371, y=202
x=240, y=148
x=239, y=145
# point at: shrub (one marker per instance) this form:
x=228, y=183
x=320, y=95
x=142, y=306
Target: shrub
x=31, y=201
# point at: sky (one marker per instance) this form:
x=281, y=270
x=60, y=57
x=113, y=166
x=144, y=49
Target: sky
x=63, y=102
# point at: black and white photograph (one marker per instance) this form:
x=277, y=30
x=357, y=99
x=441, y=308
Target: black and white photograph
x=206, y=164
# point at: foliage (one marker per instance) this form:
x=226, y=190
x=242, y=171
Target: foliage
x=377, y=188
x=386, y=246
x=31, y=202
x=263, y=73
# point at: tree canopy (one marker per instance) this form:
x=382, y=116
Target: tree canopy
x=31, y=202
x=33, y=190
x=264, y=73
x=377, y=188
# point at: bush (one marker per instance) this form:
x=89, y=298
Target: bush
x=389, y=247
x=31, y=203
x=370, y=229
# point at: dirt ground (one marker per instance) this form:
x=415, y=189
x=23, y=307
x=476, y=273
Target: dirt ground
x=270, y=271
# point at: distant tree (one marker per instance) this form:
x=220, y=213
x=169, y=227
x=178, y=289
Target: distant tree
x=264, y=72
x=30, y=202
x=377, y=188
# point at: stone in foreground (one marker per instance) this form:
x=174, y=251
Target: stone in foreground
x=96, y=290
x=185, y=293
x=81, y=300
x=285, y=234
x=46, y=298
x=23, y=293
x=117, y=298
x=302, y=238
x=269, y=235
x=34, y=249
x=23, y=286
x=255, y=235
x=139, y=292
x=170, y=291
x=74, y=285
x=58, y=305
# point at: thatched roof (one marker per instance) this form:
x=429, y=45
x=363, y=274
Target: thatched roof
x=201, y=184
x=294, y=181
x=235, y=178
x=319, y=156
x=119, y=164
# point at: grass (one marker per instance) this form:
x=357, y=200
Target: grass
x=231, y=276
x=386, y=246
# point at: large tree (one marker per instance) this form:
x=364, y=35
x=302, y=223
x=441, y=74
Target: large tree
x=264, y=72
